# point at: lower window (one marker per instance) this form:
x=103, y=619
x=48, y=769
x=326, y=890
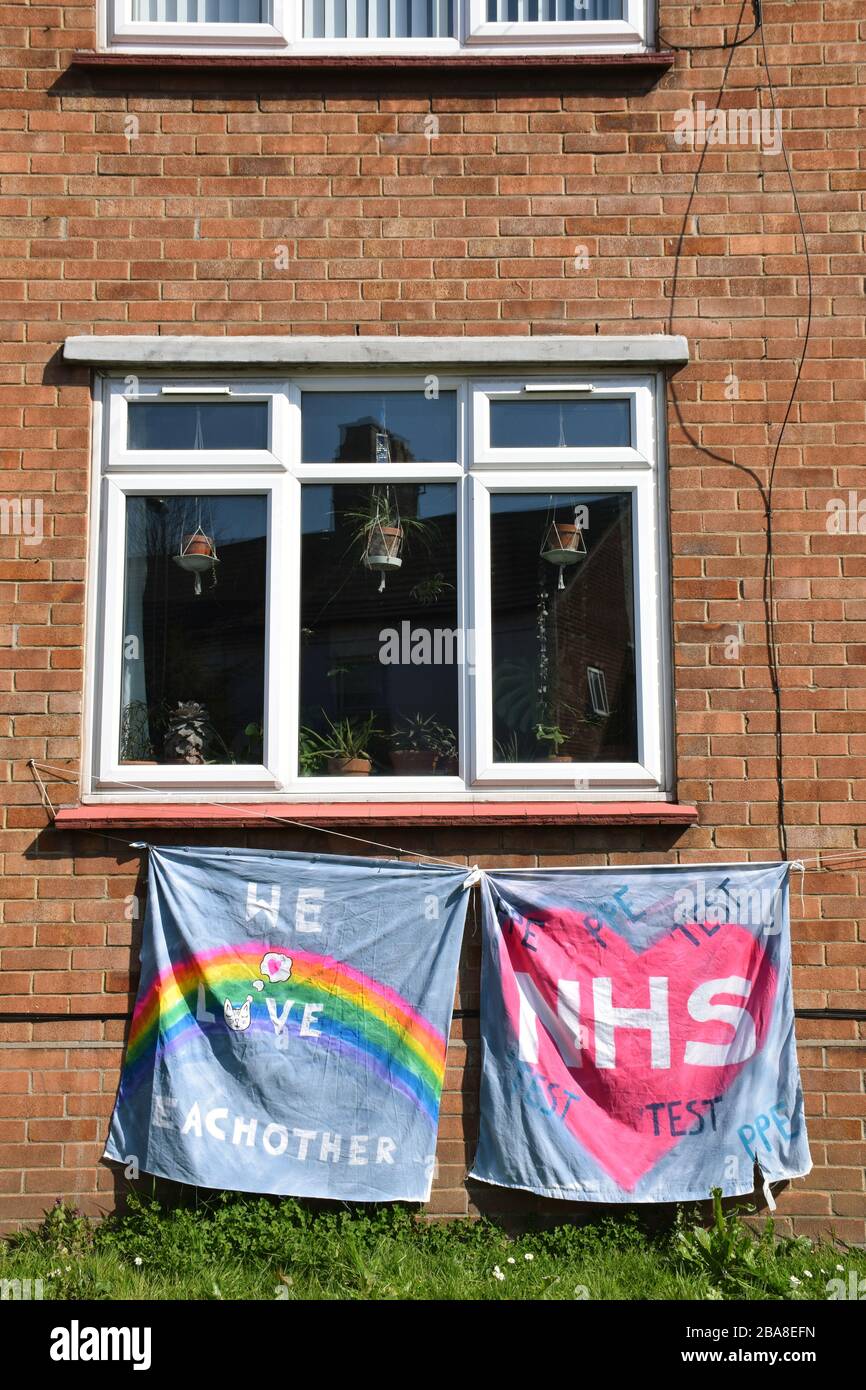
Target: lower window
x=562, y=606
x=193, y=662
x=391, y=586
x=443, y=27
x=373, y=701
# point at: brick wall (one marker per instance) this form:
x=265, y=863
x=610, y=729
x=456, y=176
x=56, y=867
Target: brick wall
x=472, y=231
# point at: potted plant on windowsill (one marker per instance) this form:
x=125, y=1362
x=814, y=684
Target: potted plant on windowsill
x=136, y=747
x=447, y=753
x=190, y=736
x=552, y=734
x=344, y=747
x=309, y=755
x=415, y=743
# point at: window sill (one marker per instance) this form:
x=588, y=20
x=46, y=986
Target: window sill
x=657, y=61
x=250, y=815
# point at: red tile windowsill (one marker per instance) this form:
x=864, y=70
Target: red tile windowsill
x=234, y=815
x=655, y=60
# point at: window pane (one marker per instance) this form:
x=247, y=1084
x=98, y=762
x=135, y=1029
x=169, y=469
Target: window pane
x=379, y=427
x=561, y=616
x=551, y=11
x=374, y=19
x=379, y=645
x=194, y=630
x=560, y=424
x=197, y=425
x=201, y=11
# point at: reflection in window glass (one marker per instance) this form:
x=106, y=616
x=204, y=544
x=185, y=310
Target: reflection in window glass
x=551, y=11
x=198, y=424
x=560, y=424
x=379, y=427
x=202, y=11
x=387, y=19
x=379, y=645
x=194, y=630
x=560, y=612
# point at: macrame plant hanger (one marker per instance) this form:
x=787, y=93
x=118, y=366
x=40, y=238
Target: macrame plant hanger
x=563, y=544
x=197, y=553
x=385, y=532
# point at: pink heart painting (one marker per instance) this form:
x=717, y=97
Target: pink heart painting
x=628, y=1094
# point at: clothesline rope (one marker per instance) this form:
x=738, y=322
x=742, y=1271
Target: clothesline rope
x=820, y=860
x=277, y=820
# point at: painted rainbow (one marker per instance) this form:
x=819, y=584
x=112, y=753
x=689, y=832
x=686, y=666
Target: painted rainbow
x=357, y=1017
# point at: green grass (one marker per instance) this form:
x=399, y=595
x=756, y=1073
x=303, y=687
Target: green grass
x=237, y=1247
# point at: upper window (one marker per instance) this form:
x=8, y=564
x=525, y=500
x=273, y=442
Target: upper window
x=371, y=26
x=351, y=586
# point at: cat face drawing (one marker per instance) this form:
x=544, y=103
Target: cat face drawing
x=237, y=1016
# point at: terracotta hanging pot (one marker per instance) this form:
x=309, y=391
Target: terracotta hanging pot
x=384, y=544
x=197, y=556
x=197, y=544
x=563, y=544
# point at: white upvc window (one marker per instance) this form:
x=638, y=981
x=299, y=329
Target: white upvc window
x=444, y=27
x=607, y=24
x=224, y=25
x=379, y=586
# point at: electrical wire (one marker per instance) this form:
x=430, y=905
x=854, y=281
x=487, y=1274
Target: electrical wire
x=829, y=859
x=717, y=47
x=769, y=560
x=765, y=489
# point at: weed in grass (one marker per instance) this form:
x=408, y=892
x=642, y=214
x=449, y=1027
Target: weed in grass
x=234, y=1246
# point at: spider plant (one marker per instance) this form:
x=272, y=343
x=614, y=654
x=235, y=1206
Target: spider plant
x=381, y=510
x=344, y=745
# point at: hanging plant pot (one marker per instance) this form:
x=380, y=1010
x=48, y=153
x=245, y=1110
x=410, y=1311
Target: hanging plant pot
x=349, y=767
x=384, y=544
x=197, y=556
x=196, y=543
x=563, y=544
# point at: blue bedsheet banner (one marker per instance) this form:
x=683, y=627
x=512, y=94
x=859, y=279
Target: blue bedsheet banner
x=638, y=1033
x=291, y=1025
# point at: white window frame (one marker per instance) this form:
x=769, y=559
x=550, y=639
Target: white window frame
x=552, y=387
x=284, y=34
x=630, y=31
x=109, y=771
x=134, y=389
x=122, y=30
x=477, y=472
x=647, y=771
